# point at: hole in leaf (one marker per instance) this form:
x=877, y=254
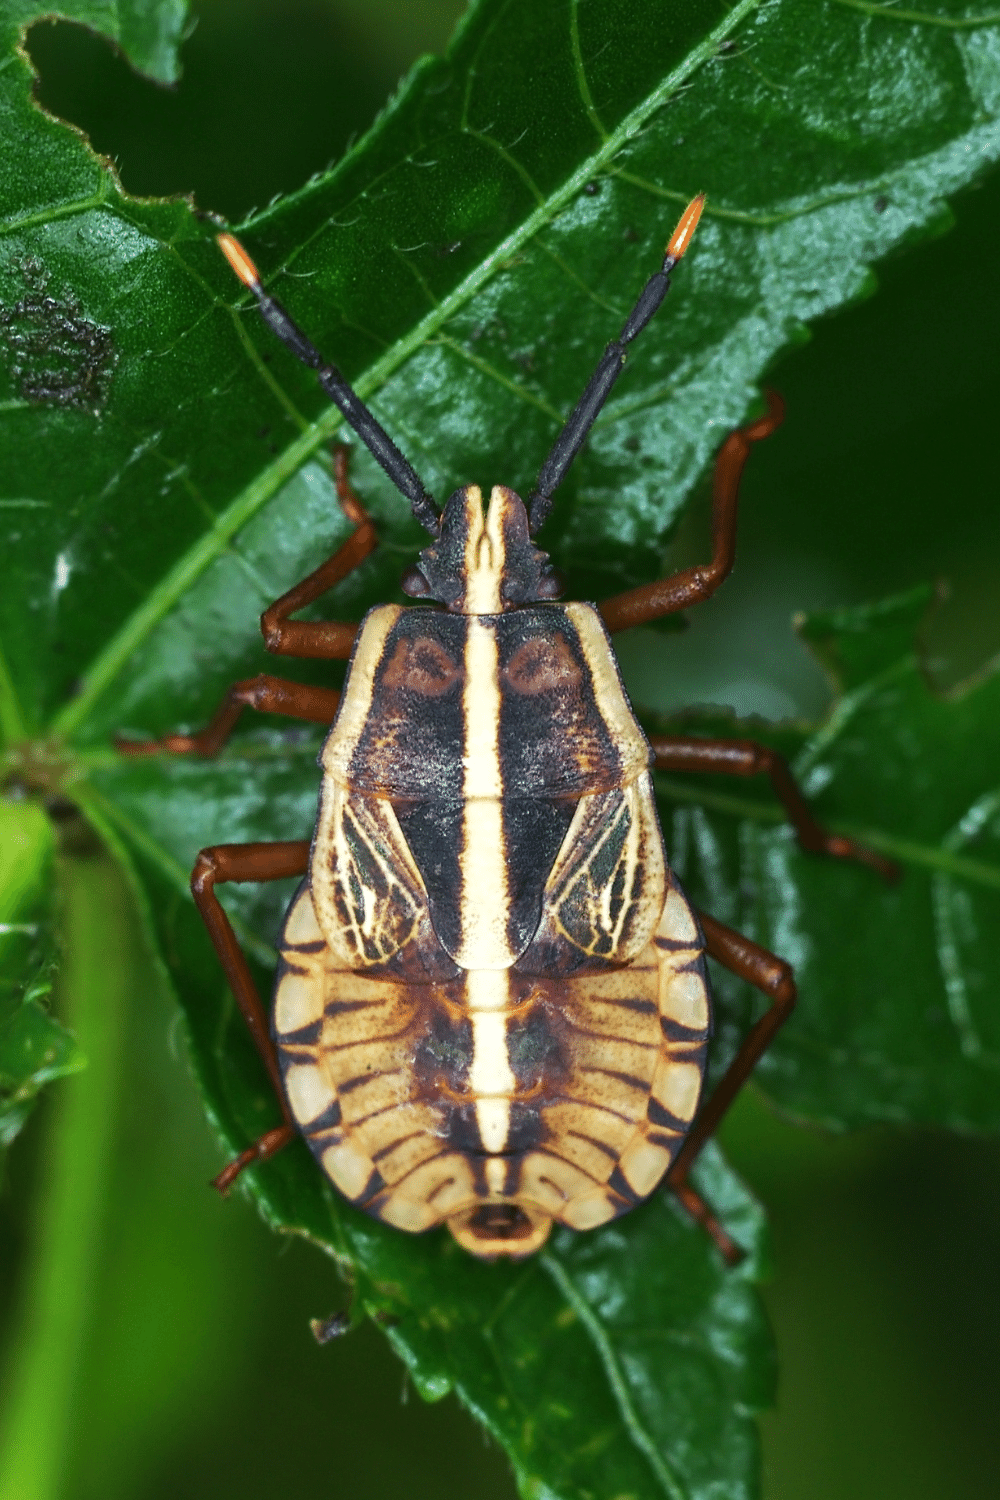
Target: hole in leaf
x=271, y=92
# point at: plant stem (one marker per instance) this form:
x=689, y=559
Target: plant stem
x=101, y=955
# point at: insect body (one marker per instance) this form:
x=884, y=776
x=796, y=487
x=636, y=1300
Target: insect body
x=491, y=1009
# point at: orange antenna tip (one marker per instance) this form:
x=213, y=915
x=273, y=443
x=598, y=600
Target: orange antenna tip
x=238, y=259
x=684, y=233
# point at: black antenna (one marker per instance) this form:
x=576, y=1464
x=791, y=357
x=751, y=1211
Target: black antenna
x=371, y=432
x=569, y=442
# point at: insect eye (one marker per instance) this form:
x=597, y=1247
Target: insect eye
x=551, y=586
x=415, y=584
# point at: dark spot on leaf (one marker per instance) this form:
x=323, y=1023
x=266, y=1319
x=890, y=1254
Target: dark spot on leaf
x=591, y=189
x=881, y=203
x=55, y=355
x=630, y=235
x=632, y=444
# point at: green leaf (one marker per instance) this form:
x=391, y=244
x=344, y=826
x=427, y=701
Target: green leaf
x=164, y=477
x=35, y=1048
x=905, y=1030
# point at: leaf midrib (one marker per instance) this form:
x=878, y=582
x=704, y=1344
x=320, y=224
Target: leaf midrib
x=114, y=656
x=935, y=857
x=906, y=851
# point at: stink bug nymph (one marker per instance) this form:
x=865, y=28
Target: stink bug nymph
x=491, y=1008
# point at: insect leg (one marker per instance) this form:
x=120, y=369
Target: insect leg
x=748, y=758
x=328, y=639
x=668, y=595
x=240, y=862
x=268, y=695
x=731, y=1252
x=774, y=978
x=369, y=430
x=569, y=442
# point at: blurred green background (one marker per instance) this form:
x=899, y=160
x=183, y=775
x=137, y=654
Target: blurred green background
x=199, y=1374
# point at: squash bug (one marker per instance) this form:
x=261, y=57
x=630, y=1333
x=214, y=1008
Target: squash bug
x=491, y=1009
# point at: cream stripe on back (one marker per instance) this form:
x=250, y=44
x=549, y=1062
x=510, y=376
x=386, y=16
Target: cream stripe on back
x=484, y=902
x=356, y=704
x=613, y=706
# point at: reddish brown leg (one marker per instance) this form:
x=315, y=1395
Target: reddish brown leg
x=774, y=978
x=247, y=862
x=700, y=1212
x=748, y=758
x=268, y=695
x=668, y=595
x=329, y=639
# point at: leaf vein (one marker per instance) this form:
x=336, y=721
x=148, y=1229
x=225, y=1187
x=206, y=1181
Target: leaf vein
x=112, y=658
x=642, y=1439
x=580, y=71
x=921, y=17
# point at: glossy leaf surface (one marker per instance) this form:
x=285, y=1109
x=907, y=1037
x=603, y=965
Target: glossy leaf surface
x=164, y=476
x=917, y=1039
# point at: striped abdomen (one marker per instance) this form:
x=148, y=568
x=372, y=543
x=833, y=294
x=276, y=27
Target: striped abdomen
x=497, y=1102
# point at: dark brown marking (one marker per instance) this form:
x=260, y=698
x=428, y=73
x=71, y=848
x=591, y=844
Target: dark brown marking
x=306, y=1036
x=567, y=1161
x=422, y=666
x=512, y=1179
x=328, y=1119
x=371, y=1189
x=500, y=1221
x=526, y=1128
x=399, y=1141
x=462, y=1132
x=641, y=1007
x=676, y=1031
x=628, y=1079
x=533, y=1049
x=542, y=664
x=554, y=739
x=604, y=1109
x=444, y=1052
x=592, y=1140
x=350, y=1084
x=609, y=1037
x=447, y=1183
x=345, y=1007
x=657, y=1115
x=622, y=1188
x=554, y=1185
x=304, y=1052
x=368, y=1041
